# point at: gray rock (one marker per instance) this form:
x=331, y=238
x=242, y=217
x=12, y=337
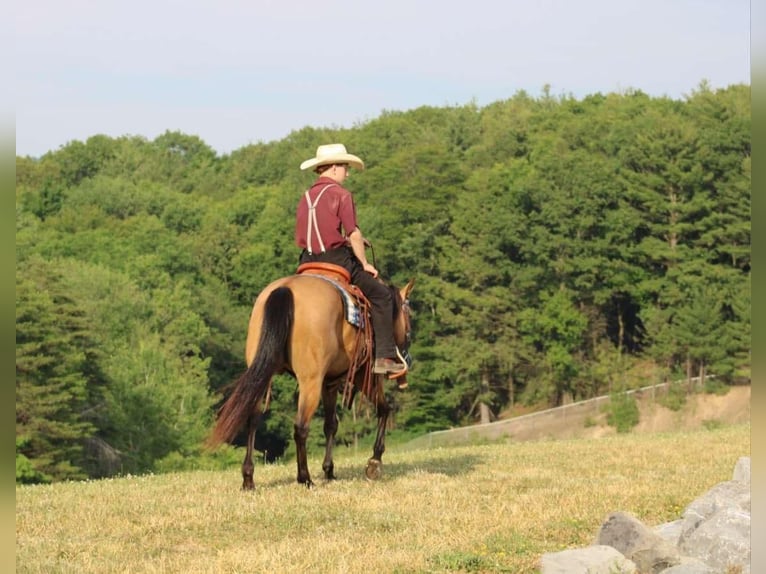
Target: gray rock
x=712, y=537
x=721, y=541
x=590, y=560
x=628, y=535
x=690, y=566
x=742, y=470
x=670, y=532
x=731, y=494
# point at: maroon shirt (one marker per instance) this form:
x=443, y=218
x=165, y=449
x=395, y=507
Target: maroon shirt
x=335, y=215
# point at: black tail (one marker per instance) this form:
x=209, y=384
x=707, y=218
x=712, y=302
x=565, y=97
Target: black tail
x=252, y=385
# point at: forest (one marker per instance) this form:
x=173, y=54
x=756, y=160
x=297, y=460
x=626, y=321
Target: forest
x=562, y=248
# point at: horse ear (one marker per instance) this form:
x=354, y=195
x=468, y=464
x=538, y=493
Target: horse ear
x=408, y=288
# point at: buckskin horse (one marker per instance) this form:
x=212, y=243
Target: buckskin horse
x=300, y=325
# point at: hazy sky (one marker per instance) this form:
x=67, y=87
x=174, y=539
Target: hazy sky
x=235, y=72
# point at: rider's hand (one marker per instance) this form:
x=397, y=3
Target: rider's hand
x=370, y=269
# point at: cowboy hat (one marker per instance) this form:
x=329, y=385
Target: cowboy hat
x=330, y=154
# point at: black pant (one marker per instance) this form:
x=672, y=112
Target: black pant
x=379, y=295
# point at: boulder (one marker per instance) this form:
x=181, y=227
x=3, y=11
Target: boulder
x=590, y=560
x=732, y=494
x=722, y=541
x=711, y=537
x=670, y=531
x=646, y=549
x=742, y=470
x=690, y=566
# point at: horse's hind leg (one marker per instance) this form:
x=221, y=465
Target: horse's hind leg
x=308, y=401
x=329, y=402
x=248, y=467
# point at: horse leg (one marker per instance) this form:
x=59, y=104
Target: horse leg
x=329, y=401
x=308, y=401
x=247, y=466
x=375, y=465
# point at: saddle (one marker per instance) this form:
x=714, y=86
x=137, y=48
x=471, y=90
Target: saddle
x=357, y=312
x=326, y=270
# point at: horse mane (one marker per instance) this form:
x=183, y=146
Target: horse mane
x=397, y=297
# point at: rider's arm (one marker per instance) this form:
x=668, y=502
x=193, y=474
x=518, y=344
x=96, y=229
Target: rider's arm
x=357, y=242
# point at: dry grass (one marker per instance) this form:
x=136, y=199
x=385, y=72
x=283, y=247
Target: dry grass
x=491, y=508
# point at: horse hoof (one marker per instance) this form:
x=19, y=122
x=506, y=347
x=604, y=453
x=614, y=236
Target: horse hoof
x=374, y=469
x=307, y=482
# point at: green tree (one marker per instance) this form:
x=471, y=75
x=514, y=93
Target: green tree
x=55, y=374
x=556, y=330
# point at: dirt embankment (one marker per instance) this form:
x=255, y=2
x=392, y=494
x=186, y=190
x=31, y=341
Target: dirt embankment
x=699, y=410
x=588, y=419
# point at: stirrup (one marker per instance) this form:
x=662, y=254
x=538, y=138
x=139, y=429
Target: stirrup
x=404, y=371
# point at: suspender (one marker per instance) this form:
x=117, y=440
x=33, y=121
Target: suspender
x=312, y=220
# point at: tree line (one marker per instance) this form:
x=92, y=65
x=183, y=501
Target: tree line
x=562, y=248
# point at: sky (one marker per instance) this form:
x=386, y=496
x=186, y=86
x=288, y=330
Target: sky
x=239, y=72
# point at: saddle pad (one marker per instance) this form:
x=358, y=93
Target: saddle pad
x=352, y=311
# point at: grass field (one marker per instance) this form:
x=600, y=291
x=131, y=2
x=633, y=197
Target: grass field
x=489, y=508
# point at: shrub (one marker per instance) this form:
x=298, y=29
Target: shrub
x=675, y=398
x=715, y=387
x=622, y=412
x=712, y=424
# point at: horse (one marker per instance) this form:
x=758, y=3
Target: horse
x=298, y=325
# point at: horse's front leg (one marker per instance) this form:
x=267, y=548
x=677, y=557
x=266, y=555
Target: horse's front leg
x=375, y=464
x=329, y=402
x=300, y=434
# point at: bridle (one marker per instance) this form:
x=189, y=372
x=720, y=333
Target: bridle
x=404, y=353
x=407, y=323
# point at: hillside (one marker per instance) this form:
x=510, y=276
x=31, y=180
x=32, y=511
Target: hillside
x=487, y=508
x=700, y=410
x=588, y=420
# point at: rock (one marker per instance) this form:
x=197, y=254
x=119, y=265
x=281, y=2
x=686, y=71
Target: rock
x=742, y=470
x=670, y=531
x=731, y=494
x=590, y=560
x=690, y=566
x=711, y=537
x=646, y=549
x=721, y=541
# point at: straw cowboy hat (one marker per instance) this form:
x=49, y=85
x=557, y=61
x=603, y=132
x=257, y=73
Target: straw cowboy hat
x=330, y=154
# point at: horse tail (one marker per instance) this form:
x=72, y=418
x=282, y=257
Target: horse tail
x=254, y=383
